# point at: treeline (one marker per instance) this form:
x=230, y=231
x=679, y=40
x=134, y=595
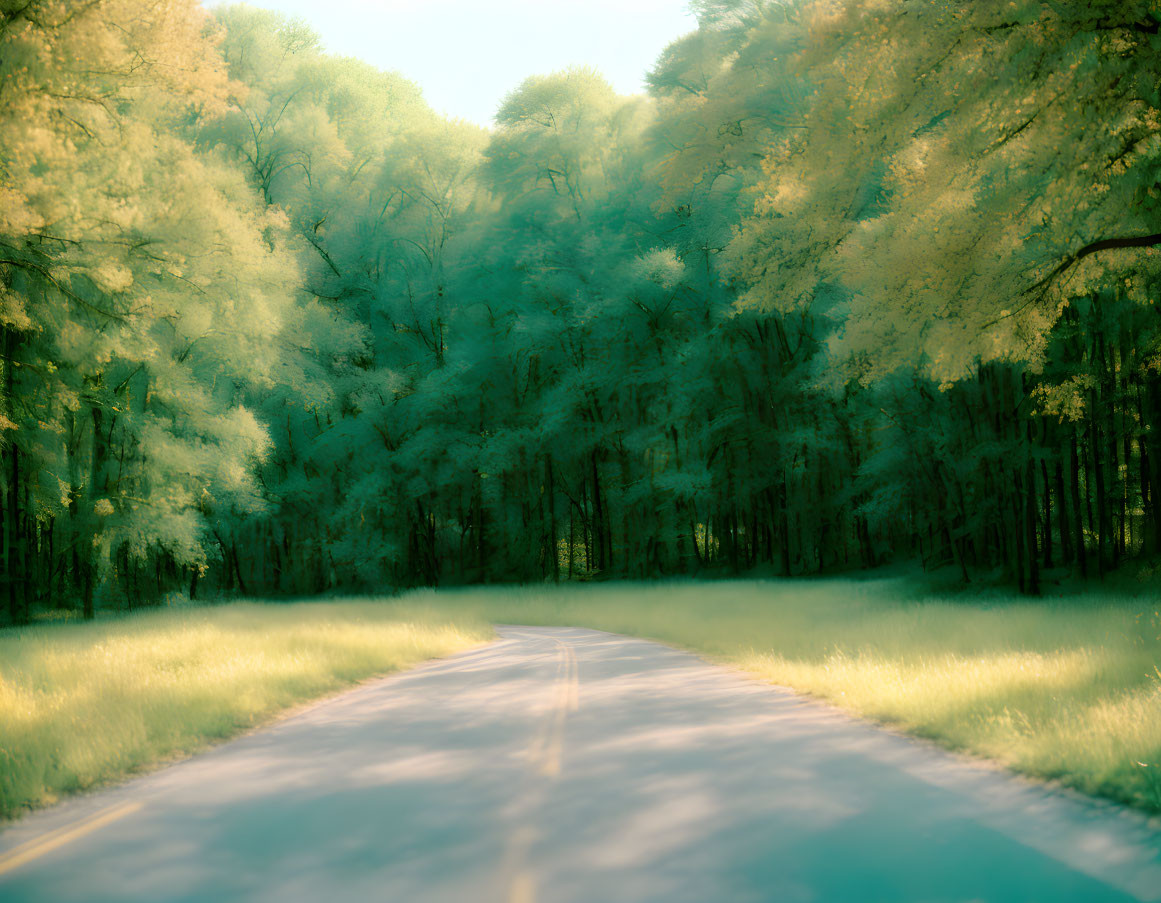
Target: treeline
x=855, y=282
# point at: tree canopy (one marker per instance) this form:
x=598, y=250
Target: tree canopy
x=853, y=282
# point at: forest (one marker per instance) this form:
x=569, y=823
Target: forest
x=856, y=282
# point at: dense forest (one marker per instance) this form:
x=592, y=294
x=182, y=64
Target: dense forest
x=857, y=281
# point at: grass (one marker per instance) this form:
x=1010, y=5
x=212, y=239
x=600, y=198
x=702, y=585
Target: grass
x=83, y=704
x=1066, y=689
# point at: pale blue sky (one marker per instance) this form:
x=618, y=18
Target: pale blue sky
x=467, y=54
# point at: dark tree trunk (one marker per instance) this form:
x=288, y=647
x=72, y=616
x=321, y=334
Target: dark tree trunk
x=14, y=539
x=599, y=528
x=1030, y=522
x=1064, y=515
x=553, y=550
x=1047, y=506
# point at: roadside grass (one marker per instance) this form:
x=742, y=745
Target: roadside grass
x=1066, y=689
x=82, y=704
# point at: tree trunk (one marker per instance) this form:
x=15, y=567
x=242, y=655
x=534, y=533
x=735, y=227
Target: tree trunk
x=598, y=517
x=554, y=551
x=1030, y=520
x=1063, y=514
x=13, y=538
x=1047, y=506
x=1102, y=508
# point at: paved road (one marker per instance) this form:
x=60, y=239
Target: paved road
x=569, y=766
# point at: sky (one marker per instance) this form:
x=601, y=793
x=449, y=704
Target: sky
x=467, y=55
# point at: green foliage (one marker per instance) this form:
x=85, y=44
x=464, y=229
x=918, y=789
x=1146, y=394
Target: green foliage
x=853, y=282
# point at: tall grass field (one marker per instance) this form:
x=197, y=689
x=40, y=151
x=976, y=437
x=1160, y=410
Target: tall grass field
x=81, y=704
x=1066, y=689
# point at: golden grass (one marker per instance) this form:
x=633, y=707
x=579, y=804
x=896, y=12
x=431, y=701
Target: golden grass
x=81, y=704
x=1066, y=689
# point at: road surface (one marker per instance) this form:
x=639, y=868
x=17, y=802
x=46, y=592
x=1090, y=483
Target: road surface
x=571, y=766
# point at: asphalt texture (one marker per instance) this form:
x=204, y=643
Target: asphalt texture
x=571, y=766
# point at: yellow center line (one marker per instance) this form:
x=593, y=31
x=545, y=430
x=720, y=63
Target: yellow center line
x=521, y=885
x=567, y=695
x=544, y=755
x=541, y=740
x=54, y=840
x=574, y=686
x=523, y=889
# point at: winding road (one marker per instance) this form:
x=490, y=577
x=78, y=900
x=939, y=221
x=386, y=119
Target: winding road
x=571, y=766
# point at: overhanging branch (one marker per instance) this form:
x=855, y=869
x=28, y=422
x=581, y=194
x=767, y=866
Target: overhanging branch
x=1037, y=292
